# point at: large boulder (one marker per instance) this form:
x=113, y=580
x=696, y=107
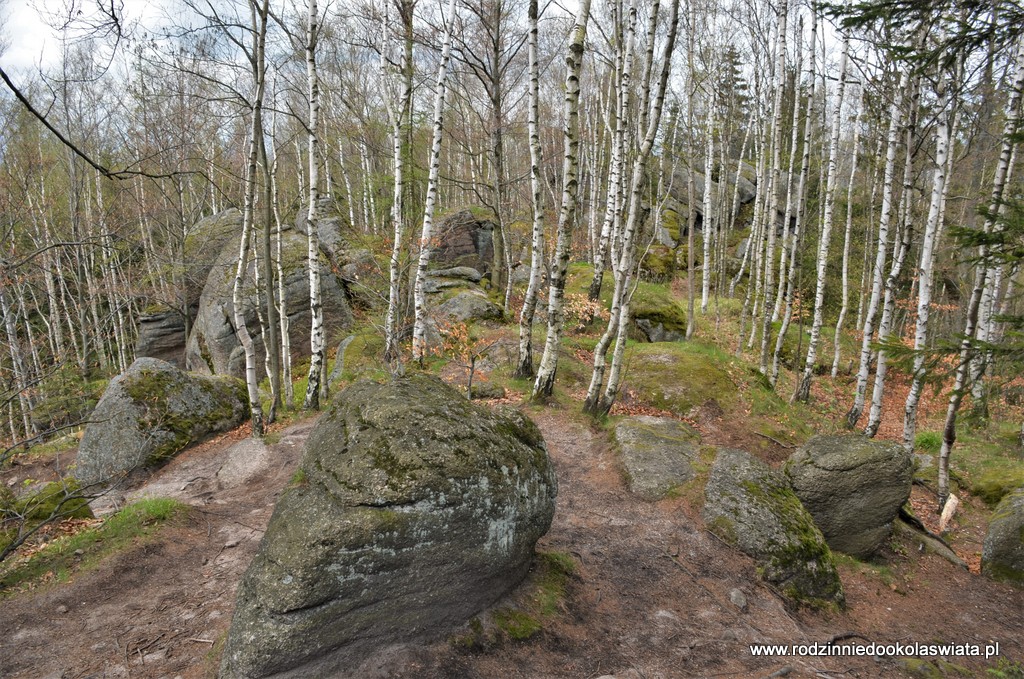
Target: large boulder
x=751, y=506
x=213, y=346
x=151, y=412
x=464, y=240
x=162, y=330
x=854, y=487
x=412, y=510
x=657, y=453
x=471, y=305
x=1002, y=556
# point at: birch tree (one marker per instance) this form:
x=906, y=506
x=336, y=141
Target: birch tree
x=1003, y=166
x=524, y=366
x=316, y=339
x=419, y=331
x=545, y=383
x=926, y=266
x=804, y=388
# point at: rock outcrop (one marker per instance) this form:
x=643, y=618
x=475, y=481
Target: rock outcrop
x=162, y=336
x=657, y=453
x=213, y=346
x=149, y=413
x=854, y=487
x=752, y=507
x=1002, y=556
x=412, y=510
x=464, y=240
x=162, y=330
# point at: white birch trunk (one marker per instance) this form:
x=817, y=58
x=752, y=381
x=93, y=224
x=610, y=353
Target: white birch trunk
x=419, y=330
x=926, y=266
x=545, y=382
x=314, y=385
x=804, y=389
x=877, y=275
x=845, y=304
x=1013, y=119
x=524, y=366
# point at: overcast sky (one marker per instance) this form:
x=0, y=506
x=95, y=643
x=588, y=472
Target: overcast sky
x=31, y=42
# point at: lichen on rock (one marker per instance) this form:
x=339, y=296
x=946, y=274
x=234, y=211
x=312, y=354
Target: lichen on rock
x=752, y=506
x=416, y=509
x=151, y=412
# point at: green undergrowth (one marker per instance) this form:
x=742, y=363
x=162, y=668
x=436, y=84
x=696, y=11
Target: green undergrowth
x=988, y=462
x=539, y=599
x=64, y=556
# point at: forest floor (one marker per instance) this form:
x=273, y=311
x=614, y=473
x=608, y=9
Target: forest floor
x=652, y=594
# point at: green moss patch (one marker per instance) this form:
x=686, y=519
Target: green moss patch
x=679, y=377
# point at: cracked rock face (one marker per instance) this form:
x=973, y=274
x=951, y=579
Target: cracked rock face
x=412, y=511
x=854, y=487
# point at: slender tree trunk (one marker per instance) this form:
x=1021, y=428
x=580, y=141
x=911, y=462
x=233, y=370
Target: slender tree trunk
x=399, y=116
x=844, y=306
x=804, y=389
x=419, y=331
x=888, y=177
x=545, y=382
x=926, y=267
x=316, y=338
x=524, y=366
x=1013, y=119
x=626, y=266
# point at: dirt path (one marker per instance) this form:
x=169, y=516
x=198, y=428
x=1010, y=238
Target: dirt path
x=157, y=609
x=655, y=595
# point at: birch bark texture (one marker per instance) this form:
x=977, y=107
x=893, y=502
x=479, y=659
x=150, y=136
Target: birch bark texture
x=544, y=385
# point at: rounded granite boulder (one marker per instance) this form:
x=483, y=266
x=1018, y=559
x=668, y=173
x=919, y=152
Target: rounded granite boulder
x=854, y=487
x=151, y=412
x=1002, y=556
x=413, y=509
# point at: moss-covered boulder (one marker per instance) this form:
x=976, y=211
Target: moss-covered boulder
x=152, y=411
x=213, y=345
x=752, y=507
x=1002, y=557
x=464, y=238
x=854, y=487
x=413, y=509
x=657, y=453
x=471, y=305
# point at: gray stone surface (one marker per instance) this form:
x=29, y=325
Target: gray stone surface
x=657, y=452
x=150, y=413
x=471, y=305
x=1002, y=556
x=466, y=273
x=162, y=335
x=162, y=329
x=655, y=331
x=854, y=487
x=752, y=506
x=464, y=240
x=213, y=345
x=413, y=510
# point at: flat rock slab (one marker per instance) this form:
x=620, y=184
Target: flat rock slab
x=658, y=454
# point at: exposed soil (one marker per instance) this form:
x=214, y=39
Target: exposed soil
x=651, y=597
